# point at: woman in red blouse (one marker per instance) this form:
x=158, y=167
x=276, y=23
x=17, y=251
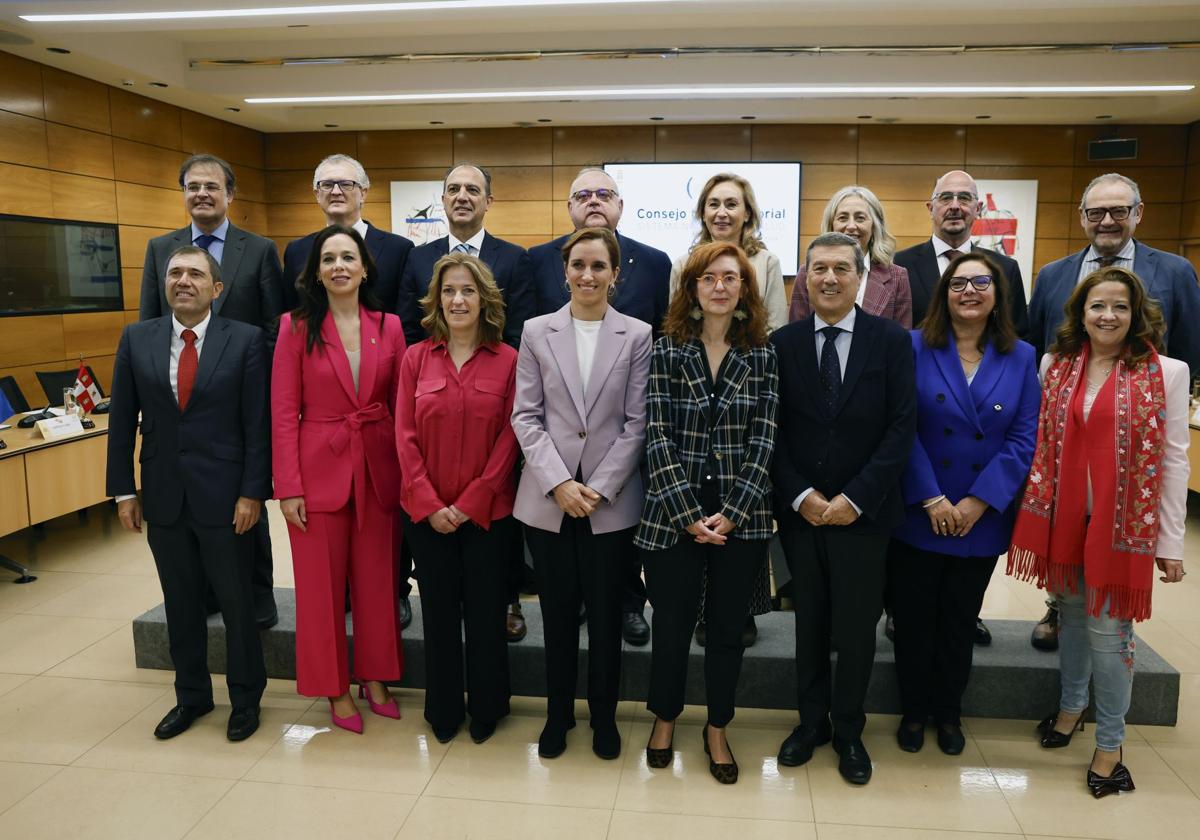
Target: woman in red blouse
x=458, y=459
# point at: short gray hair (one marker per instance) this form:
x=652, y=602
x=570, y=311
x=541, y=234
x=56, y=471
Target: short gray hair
x=1109, y=178
x=360, y=174
x=836, y=240
x=599, y=169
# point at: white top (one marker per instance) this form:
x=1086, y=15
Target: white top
x=769, y=272
x=355, y=359
x=587, y=335
x=475, y=243
x=1172, y=503
x=864, y=275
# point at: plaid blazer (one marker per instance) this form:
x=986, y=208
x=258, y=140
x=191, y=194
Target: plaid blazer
x=678, y=441
x=888, y=295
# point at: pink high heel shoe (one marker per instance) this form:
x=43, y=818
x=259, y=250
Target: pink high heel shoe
x=390, y=709
x=354, y=723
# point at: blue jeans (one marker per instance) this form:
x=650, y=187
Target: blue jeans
x=1100, y=648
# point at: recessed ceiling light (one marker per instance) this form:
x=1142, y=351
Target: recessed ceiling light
x=128, y=82
x=658, y=119
x=718, y=91
x=1104, y=117
x=544, y=119
x=158, y=84
x=749, y=118
x=235, y=110
x=983, y=116
x=437, y=122
x=331, y=125
x=324, y=9
x=58, y=50
x=864, y=116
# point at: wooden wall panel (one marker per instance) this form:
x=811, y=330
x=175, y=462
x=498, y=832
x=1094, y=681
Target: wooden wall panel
x=523, y=183
x=76, y=101
x=133, y=241
x=27, y=381
x=21, y=86
x=703, y=142
x=1055, y=183
x=806, y=143
x=900, y=183
x=248, y=215
x=83, y=198
x=251, y=183
x=79, y=151
x=819, y=181
x=594, y=145
x=291, y=186
x=22, y=139
x=306, y=149
x=149, y=206
x=152, y=166
x=1189, y=221
x=933, y=144
x=1020, y=145
x=91, y=333
x=395, y=149
x=1056, y=221
x=292, y=220
x=25, y=191
x=508, y=217
x=131, y=288
x=30, y=339
x=1158, y=184
x=144, y=120
x=504, y=146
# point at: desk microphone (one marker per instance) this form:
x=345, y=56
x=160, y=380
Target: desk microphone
x=30, y=420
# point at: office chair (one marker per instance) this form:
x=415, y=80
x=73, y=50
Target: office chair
x=54, y=381
x=12, y=391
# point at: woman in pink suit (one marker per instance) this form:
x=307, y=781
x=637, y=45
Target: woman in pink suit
x=333, y=385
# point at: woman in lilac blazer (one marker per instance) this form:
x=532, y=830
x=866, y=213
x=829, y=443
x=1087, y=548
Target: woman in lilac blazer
x=580, y=417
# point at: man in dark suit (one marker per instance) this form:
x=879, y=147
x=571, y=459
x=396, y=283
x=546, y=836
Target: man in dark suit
x=644, y=292
x=250, y=294
x=199, y=382
x=466, y=197
x=1109, y=212
x=847, y=420
x=953, y=208
x=340, y=185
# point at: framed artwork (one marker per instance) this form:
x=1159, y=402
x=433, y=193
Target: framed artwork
x=417, y=210
x=1008, y=222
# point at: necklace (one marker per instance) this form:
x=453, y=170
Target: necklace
x=970, y=361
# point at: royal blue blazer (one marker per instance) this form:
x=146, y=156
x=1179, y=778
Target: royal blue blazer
x=972, y=440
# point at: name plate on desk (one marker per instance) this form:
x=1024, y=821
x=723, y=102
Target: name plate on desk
x=57, y=428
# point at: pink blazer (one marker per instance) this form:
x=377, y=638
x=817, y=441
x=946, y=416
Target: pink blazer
x=888, y=295
x=325, y=435
x=602, y=434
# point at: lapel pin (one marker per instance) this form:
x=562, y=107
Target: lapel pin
x=997, y=407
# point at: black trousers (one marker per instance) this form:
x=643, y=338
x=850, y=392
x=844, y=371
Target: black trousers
x=674, y=577
x=264, y=572
x=463, y=578
x=576, y=565
x=405, y=563
x=838, y=587
x=190, y=557
x=935, y=600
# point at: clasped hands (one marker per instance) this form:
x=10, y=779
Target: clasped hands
x=575, y=499
x=711, y=529
x=817, y=510
x=949, y=520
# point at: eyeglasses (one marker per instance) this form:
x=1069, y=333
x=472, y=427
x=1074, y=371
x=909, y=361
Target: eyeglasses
x=583, y=196
x=979, y=282
x=195, y=188
x=344, y=186
x=962, y=197
x=729, y=281
x=1097, y=214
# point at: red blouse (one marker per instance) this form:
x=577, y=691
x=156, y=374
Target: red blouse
x=453, y=432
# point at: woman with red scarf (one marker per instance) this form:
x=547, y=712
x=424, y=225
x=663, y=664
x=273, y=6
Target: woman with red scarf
x=1105, y=501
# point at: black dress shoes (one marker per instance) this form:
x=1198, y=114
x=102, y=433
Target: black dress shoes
x=749, y=632
x=950, y=738
x=481, y=730
x=983, y=636
x=267, y=616
x=445, y=734
x=553, y=741
x=405, y=612
x=634, y=629
x=911, y=735
x=243, y=722
x=179, y=719
x=798, y=747
x=854, y=763
x=606, y=740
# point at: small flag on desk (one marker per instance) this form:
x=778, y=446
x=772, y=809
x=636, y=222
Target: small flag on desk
x=86, y=392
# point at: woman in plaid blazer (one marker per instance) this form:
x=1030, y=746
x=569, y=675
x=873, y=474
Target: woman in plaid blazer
x=710, y=434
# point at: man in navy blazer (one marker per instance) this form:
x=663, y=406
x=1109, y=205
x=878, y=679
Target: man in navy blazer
x=847, y=420
x=953, y=209
x=199, y=383
x=1169, y=278
x=643, y=292
x=466, y=197
x=340, y=184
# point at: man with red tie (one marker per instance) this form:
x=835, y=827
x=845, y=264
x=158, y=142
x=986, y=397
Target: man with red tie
x=199, y=382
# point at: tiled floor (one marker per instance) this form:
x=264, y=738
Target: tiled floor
x=77, y=758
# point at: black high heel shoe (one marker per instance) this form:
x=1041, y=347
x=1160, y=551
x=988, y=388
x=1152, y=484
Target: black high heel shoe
x=656, y=758
x=726, y=774
x=1052, y=739
x=1102, y=786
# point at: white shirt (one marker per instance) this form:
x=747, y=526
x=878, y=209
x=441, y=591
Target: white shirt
x=842, y=344
x=587, y=336
x=940, y=248
x=864, y=270
x=1091, y=260
x=361, y=226
x=475, y=243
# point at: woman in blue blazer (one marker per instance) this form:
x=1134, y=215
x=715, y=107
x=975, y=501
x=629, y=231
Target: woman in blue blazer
x=977, y=402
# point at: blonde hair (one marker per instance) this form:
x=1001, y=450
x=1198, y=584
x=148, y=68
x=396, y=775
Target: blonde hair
x=491, y=302
x=881, y=247
x=751, y=239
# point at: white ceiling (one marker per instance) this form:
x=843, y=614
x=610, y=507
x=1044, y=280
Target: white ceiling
x=163, y=51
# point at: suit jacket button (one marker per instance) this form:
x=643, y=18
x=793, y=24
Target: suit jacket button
x=946, y=463
x=997, y=407
x=941, y=398
x=948, y=431
x=718, y=455
x=979, y=436
x=583, y=434
x=976, y=467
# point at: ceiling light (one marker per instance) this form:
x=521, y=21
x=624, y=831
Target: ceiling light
x=758, y=91
x=59, y=50
x=158, y=84
x=322, y=9
x=231, y=108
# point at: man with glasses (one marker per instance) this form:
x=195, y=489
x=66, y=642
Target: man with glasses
x=340, y=185
x=643, y=292
x=953, y=209
x=1110, y=212
x=250, y=293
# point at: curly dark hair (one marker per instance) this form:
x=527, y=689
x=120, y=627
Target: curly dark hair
x=744, y=333
x=936, y=329
x=1146, y=325
x=314, y=300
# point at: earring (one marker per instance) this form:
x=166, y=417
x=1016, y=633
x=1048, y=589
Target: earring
x=612, y=291
x=696, y=313
x=567, y=286
x=740, y=315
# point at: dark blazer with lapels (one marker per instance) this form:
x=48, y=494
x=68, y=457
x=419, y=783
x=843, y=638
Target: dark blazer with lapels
x=389, y=251
x=859, y=449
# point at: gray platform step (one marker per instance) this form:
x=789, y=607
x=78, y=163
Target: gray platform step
x=1009, y=680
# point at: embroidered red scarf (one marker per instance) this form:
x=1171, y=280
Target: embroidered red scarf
x=1121, y=446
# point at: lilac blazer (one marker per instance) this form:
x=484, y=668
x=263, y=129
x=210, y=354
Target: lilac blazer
x=562, y=431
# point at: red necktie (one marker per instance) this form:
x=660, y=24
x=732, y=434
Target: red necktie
x=187, y=368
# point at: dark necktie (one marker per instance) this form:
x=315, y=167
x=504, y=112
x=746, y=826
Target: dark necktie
x=952, y=254
x=831, y=367
x=186, y=376
x=205, y=241
x=1105, y=262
